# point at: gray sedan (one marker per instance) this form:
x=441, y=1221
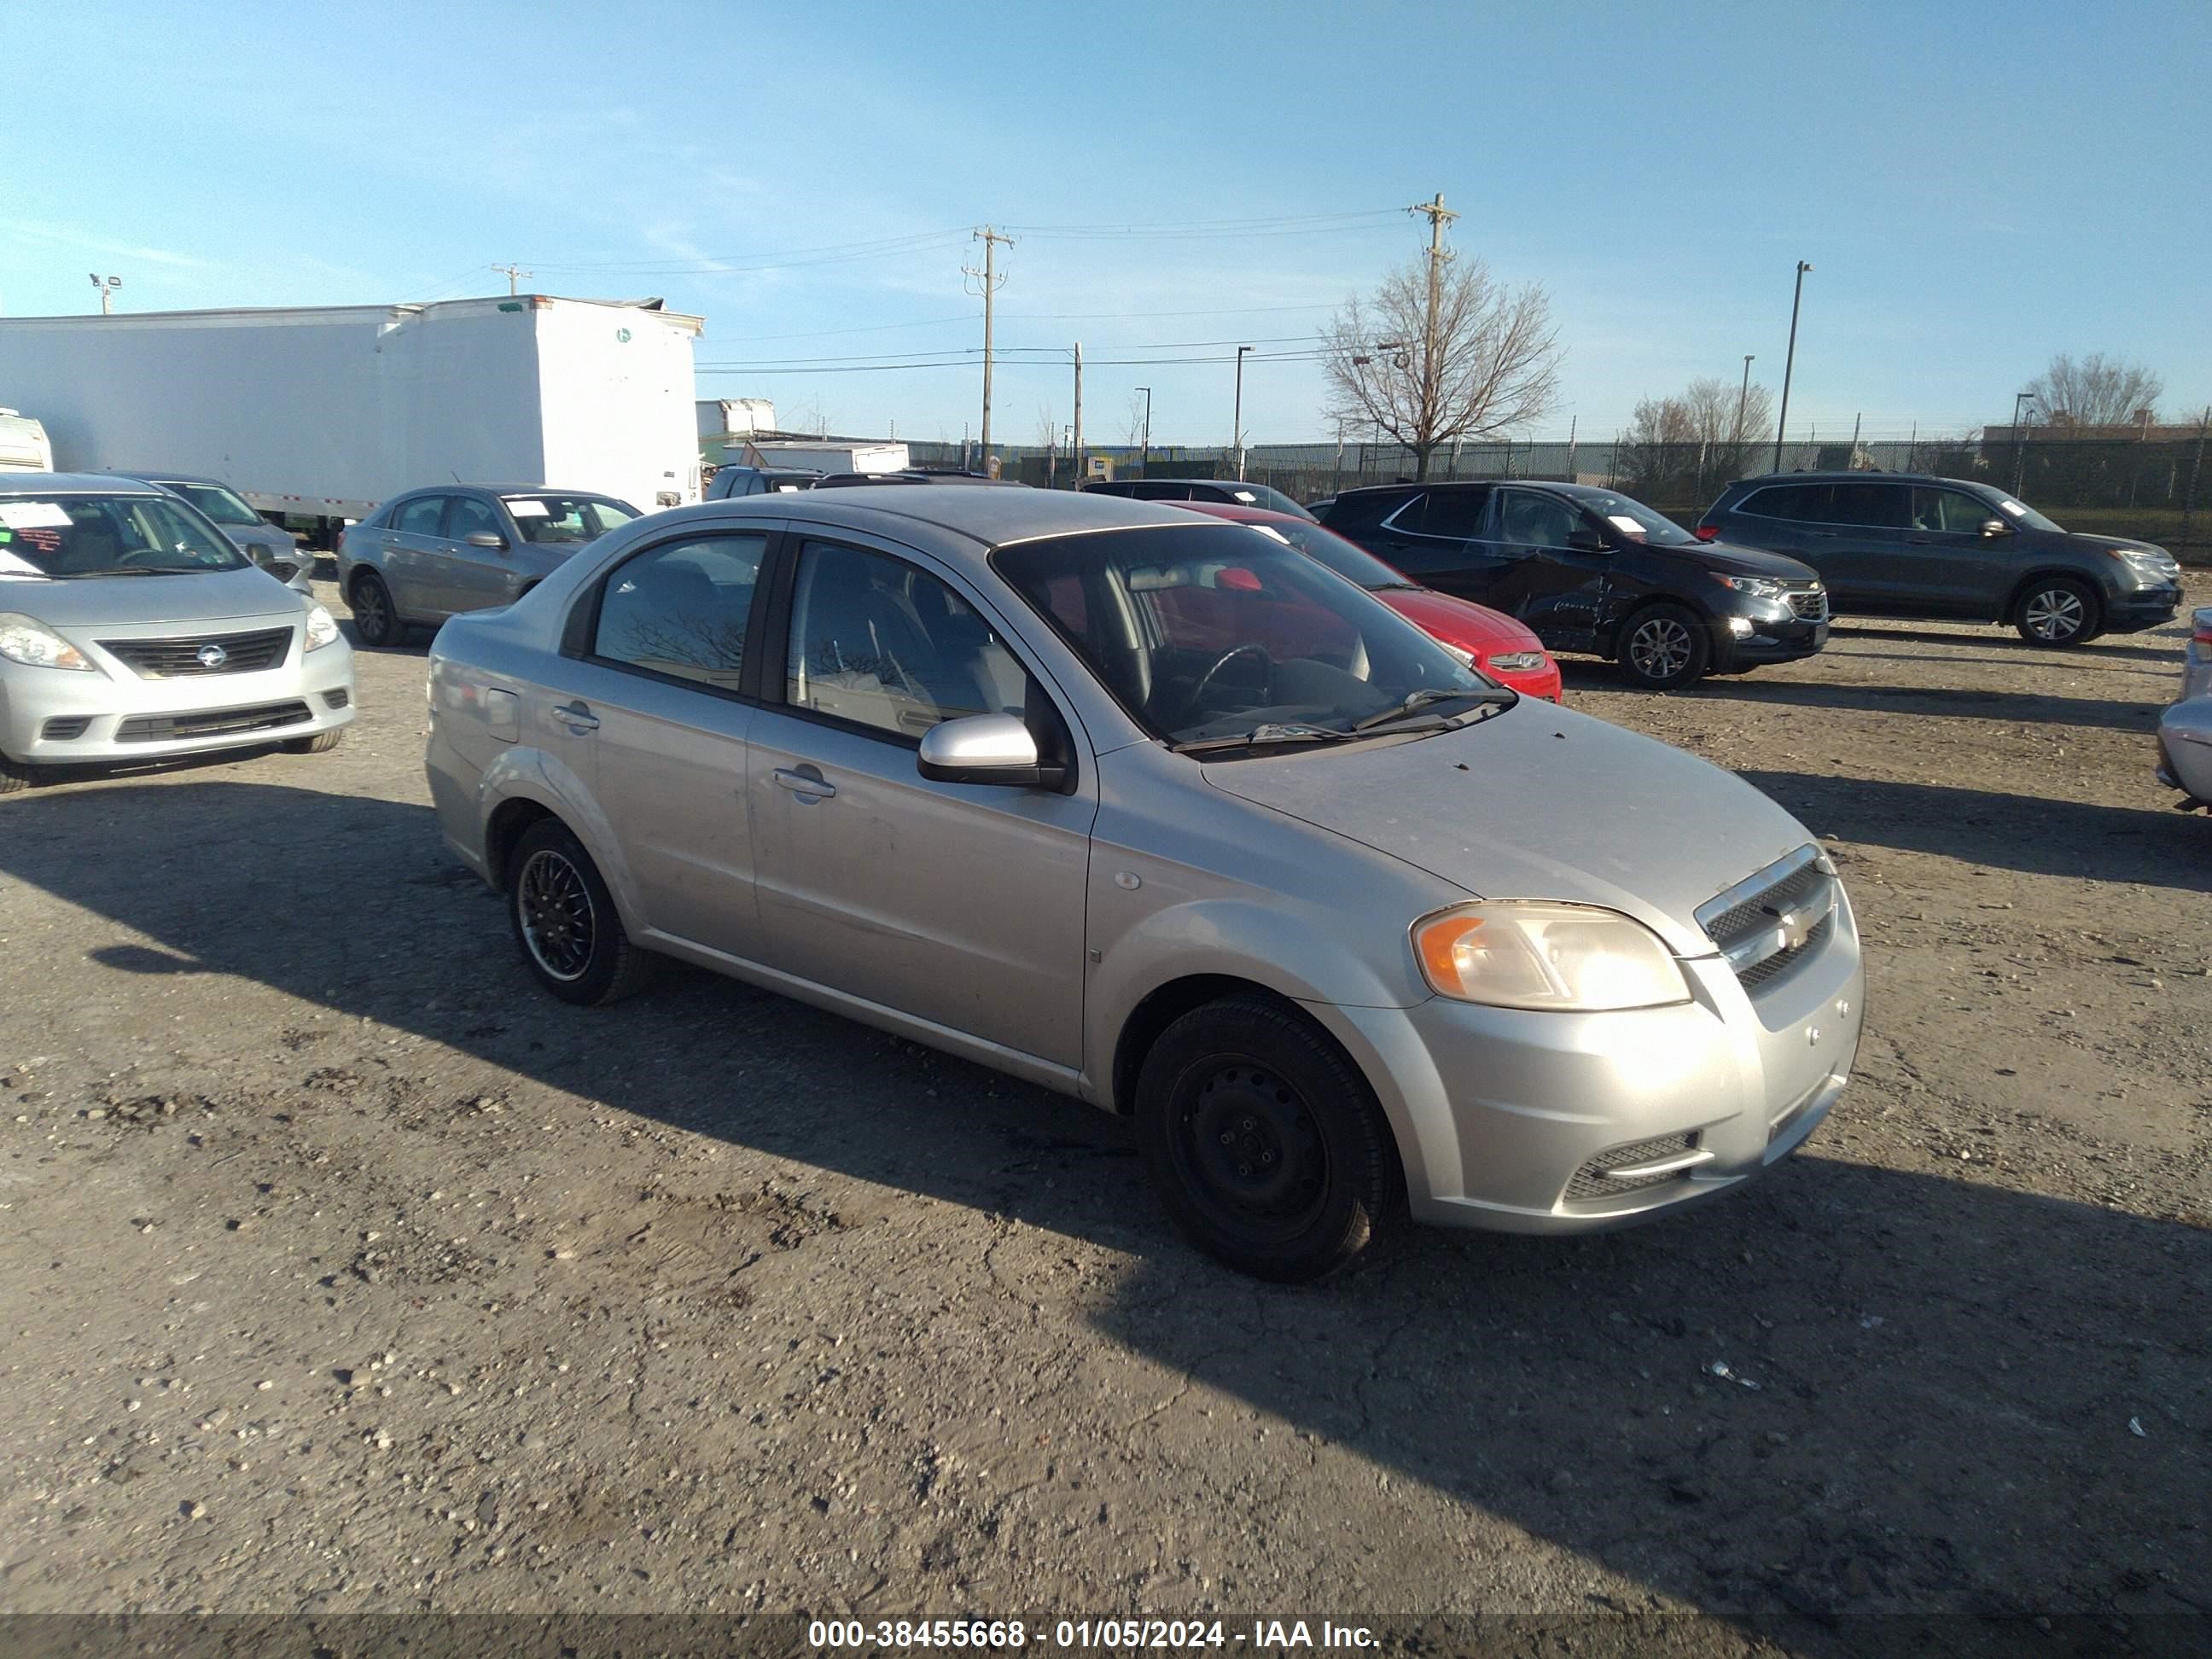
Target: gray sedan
x=1159, y=813
x=432, y=554
x=273, y=549
x=132, y=631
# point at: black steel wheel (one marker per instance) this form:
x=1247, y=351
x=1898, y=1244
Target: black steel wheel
x=564, y=919
x=374, y=617
x=2057, y=611
x=1665, y=646
x=1266, y=1144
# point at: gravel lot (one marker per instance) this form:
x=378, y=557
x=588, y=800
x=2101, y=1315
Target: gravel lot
x=345, y=1271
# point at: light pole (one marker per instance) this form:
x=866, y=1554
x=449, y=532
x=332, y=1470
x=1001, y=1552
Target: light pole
x=1239, y=422
x=1144, y=460
x=106, y=285
x=2020, y=438
x=1789, y=363
x=1743, y=396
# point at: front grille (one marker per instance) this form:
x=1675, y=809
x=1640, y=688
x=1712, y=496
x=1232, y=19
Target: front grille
x=212, y=722
x=1810, y=604
x=65, y=728
x=1782, y=961
x=1771, y=922
x=178, y=658
x=1593, y=1180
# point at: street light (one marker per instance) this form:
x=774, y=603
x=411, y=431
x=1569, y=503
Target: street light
x=2020, y=438
x=106, y=285
x=1238, y=424
x=1146, y=459
x=1789, y=363
x=1743, y=396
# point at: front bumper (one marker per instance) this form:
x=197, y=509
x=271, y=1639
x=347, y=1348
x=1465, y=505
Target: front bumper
x=53, y=717
x=1772, y=640
x=1516, y=1122
x=2140, y=607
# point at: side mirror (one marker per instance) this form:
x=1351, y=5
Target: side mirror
x=486, y=538
x=1587, y=541
x=982, y=749
x=1996, y=527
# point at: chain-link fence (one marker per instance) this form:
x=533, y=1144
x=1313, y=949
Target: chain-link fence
x=2157, y=488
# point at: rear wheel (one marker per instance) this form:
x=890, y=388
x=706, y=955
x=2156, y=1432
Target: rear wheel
x=2057, y=611
x=564, y=919
x=1265, y=1144
x=374, y=617
x=1665, y=646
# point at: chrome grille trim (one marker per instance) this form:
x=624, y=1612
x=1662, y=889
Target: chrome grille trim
x=1774, y=917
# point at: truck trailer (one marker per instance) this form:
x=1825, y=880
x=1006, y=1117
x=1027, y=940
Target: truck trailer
x=324, y=411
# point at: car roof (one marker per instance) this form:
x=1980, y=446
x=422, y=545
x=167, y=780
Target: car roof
x=73, y=484
x=163, y=475
x=993, y=518
x=504, y=489
x=1858, y=475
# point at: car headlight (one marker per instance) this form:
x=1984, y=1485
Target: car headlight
x=1521, y=953
x=28, y=640
x=1518, y=662
x=2151, y=569
x=322, y=628
x=1760, y=587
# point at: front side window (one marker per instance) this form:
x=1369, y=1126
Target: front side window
x=884, y=644
x=1527, y=519
x=1951, y=511
x=569, y=520
x=467, y=516
x=1214, y=631
x=420, y=517
x=101, y=535
x=682, y=609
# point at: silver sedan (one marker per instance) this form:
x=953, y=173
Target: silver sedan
x=2184, y=730
x=132, y=631
x=1163, y=814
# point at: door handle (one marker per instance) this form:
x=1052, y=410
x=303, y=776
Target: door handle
x=576, y=717
x=802, y=783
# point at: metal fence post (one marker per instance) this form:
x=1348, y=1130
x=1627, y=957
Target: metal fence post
x=2196, y=471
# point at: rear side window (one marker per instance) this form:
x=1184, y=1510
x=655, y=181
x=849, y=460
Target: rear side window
x=682, y=609
x=1458, y=513
x=421, y=516
x=1799, y=503
x=1351, y=515
x=1164, y=492
x=1870, y=505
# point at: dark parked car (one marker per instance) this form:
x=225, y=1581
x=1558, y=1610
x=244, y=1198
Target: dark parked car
x=1592, y=571
x=1235, y=491
x=1896, y=545
x=731, y=480
x=914, y=474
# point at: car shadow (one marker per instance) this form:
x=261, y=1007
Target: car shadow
x=1969, y=634
x=1849, y=1388
x=2018, y=708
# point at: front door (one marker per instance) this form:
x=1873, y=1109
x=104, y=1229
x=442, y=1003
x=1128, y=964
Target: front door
x=960, y=904
x=474, y=578
x=1557, y=590
x=1946, y=564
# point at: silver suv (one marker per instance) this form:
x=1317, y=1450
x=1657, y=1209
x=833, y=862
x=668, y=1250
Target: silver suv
x=1156, y=812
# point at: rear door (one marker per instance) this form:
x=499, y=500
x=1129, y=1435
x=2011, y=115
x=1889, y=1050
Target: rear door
x=1945, y=565
x=1444, y=539
x=413, y=546
x=1861, y=546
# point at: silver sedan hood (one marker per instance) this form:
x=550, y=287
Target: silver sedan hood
x=105, y=601
x=1539, y=802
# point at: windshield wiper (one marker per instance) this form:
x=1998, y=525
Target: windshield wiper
x=114, y=570
x=1495, y=696
x=1271, y=732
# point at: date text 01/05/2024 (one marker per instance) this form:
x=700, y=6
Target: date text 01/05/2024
x=1258, y=1635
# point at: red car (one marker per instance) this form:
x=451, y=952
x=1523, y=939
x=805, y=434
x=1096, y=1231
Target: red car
x=1500, y=645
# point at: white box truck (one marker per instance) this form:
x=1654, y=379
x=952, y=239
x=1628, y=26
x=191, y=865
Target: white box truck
x=326, y=412
x=23, y=446
x=827, y=455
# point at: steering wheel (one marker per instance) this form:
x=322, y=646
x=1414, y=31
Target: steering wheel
x=1206, y=680
x=141, y=555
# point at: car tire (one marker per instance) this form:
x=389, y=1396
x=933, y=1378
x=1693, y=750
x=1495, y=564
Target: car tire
x=565, y=921
x=1265, y=1143
x=321, y=743
x=2057, y=611
x=1665, y=646
x=15, y=776
x=374, y=617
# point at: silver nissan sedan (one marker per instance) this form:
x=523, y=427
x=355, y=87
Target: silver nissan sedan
x=132, y=629
x=1160, y=813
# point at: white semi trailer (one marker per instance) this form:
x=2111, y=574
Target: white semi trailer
x=326, y=412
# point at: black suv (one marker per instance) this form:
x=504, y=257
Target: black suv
x=1897, y=545
x=1590, y=570
x=1234, y=492
x=757, y=481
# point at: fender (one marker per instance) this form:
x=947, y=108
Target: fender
x=532, y=774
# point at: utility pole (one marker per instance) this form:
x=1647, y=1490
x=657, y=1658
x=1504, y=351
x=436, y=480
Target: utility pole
x=1743, y=396
x=1789, y=363
x=1237, y=423
x=106, y=285
x=514, y=277
x=1146, y=456
x=1437, y=216
x=1076, y=449
x=991, y=283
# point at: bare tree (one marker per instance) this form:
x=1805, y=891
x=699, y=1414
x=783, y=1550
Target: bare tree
x=2093, y=391
x=1679, y=449
x=1136, y=419
x=1489, y=365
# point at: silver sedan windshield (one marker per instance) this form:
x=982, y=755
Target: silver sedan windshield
x=73, y=536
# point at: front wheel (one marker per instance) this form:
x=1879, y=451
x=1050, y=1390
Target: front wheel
x=15, y=777
x=1665, y=646
x=1265, y=1144
x=564, y=919
x=321, y=743
x=2057, y=611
